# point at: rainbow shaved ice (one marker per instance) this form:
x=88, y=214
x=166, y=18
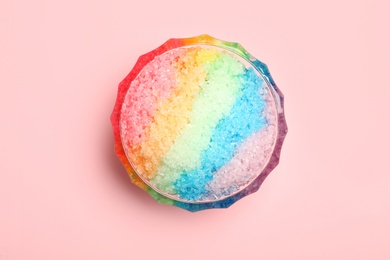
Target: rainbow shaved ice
x=197, y=125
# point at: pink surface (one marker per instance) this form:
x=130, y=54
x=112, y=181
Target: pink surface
x=65, y=195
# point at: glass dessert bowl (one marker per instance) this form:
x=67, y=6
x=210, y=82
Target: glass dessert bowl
x=199, y=123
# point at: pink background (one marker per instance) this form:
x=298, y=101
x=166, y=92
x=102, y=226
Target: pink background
x=64, y=194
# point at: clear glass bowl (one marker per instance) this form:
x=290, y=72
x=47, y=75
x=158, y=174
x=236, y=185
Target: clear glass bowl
x=199, y=123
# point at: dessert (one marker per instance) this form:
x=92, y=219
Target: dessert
x=198, y=123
